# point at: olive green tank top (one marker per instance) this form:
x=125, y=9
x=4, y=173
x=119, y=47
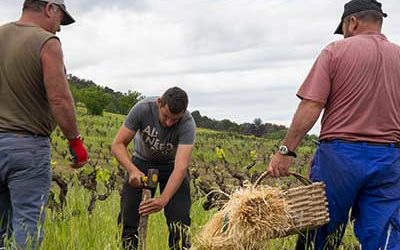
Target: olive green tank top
x=24, y=107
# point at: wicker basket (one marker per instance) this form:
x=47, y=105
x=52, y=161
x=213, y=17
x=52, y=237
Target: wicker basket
x=308, y=205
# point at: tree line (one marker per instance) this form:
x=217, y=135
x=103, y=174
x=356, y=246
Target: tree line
x=98, y=99
x=257, y=128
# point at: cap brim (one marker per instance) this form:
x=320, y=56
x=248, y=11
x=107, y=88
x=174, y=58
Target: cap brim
x=339, y=29
x=68, y=19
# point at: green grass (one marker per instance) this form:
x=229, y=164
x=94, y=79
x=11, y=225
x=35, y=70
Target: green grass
x=74, y=228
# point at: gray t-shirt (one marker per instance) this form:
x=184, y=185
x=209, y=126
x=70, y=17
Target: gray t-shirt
x=153, y=142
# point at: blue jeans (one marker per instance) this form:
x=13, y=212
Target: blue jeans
x=25, y=179
x=366, y=179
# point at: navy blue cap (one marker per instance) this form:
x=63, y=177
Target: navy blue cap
x=355, y=6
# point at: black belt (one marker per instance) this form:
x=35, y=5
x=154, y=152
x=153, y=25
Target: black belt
x=23, y=133
x=379, y=144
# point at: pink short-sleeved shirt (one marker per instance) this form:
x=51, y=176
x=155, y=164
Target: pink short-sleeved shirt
x=358, y=80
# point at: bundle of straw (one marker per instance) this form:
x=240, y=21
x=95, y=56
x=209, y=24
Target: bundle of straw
x=250, y=217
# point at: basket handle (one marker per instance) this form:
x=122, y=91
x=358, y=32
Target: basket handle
x=299, y=177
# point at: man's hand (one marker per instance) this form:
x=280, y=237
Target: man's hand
x=279, y=165
x=79, y=154
x=152, y=206
x=135, y=177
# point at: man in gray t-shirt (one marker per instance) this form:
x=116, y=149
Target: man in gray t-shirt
x=163, y=132
x=155, y=141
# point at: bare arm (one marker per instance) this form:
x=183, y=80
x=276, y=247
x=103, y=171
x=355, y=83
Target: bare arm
x=119, y=149
x=182, y=160
x=305, y=117
x=57, y=89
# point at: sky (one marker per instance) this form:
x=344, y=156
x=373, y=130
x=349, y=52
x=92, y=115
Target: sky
x=237, y=59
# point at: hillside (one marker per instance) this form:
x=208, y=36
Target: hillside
x=99, y=131
x=244, y=157
x=87, y=200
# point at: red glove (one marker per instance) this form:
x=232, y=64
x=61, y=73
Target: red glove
x=79, y=154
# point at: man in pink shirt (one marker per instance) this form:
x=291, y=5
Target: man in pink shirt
x=356, y=81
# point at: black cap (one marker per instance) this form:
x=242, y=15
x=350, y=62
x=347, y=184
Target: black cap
x=355, y=6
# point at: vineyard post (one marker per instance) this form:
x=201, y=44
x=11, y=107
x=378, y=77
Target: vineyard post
x=149, y=182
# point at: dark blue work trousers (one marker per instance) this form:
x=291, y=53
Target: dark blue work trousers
x=364, y=178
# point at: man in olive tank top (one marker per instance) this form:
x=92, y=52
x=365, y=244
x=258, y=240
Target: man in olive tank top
x=34, y=98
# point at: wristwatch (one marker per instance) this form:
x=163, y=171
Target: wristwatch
x=283, y=150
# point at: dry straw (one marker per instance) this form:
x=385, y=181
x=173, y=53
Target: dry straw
x=251, y=216
x=255, y=214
